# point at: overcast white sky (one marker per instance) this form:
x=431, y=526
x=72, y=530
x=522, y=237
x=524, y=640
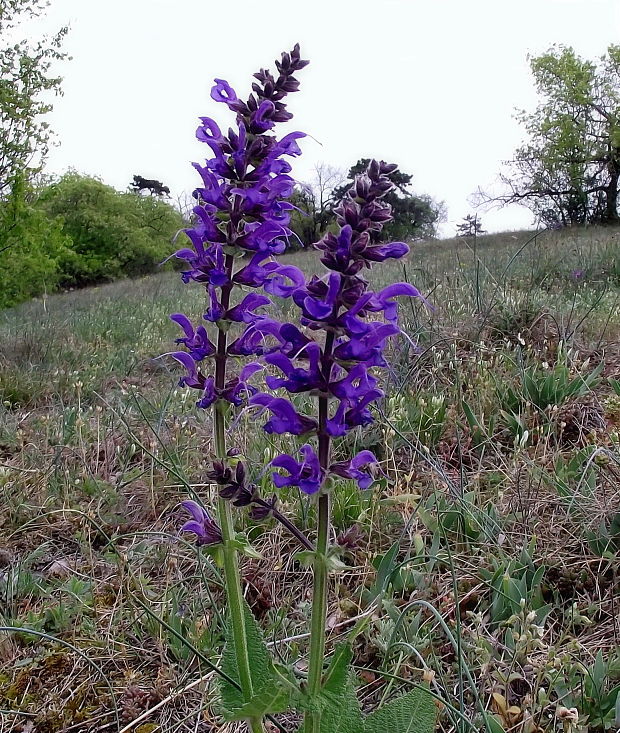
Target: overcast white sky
x=429, y=84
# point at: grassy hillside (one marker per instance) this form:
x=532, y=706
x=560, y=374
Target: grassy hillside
x=500, y=443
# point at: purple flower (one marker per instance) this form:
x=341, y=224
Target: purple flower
x=355, y=385
x=256, y=337
x=384, y=299
x=193, y=377
x=236, y=390
x=352, y=414
x=307, y=474
x=244, y=312
x=196, y=341
x=271, y=276
x=223, y=92
x=367, y=347
x=298, y=379
x=206, y=529
x=353, y=469
x=284, y=417
x=319, y=300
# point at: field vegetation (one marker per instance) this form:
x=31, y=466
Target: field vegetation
x=484, y=559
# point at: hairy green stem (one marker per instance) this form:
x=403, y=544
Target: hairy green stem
x=312, y=722
x=319, y=606
x=234, y=594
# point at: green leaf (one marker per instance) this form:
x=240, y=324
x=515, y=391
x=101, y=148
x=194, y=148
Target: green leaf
x=492, y=724
x=337, y=703
x=384, y=572
x=305, y=557
x=337, y=674
x=242, y=545
x=414, y=712
x=273, y=700
x=267, y=688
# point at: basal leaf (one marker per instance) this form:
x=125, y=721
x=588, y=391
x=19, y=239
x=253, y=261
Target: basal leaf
x=414, y=712
x=274, y=699
x=265, y=682
x=337, y=703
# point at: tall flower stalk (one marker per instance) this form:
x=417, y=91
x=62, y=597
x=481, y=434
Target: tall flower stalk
x=332, y=353
x=241, y=210
x=335, y=359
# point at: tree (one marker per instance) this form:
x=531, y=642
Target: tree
x=31, y=248
x=471, y=226
x=113, y=234
x=415, y=216
x=26, y=82
x=152, y=185
x=568, y=171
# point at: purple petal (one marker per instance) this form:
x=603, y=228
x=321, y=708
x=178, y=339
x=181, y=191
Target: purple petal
x=363, y=458
x=193, y=526
x=186, y=360
x=223, y=92
x=184, y=322
x=198, y=512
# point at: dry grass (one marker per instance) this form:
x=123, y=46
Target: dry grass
x=98, y=446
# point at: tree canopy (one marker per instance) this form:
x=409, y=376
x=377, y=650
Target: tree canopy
x=113, y=234
x=568, y=170
x=26, y=83
x=314, y=204
x=471, y=226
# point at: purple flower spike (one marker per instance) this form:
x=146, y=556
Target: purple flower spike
x=336, y=366
x=307, y=475
x=206, y=529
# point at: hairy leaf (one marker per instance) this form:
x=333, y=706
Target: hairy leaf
x=337, y=703
x=414, y=712
x=268, y=694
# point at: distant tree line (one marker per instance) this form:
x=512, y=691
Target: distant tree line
x=74, y=231
x=77, y=231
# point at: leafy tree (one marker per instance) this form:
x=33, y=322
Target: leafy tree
x=471, y=226
x=415, y=216
x=26, y=82
x=113, y=234
x=568, y=171
x=31, y=248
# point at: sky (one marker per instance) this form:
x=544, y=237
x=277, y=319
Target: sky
x=429, y=84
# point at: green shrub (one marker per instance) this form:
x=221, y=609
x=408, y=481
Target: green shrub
x=114, y=234
x=31, y=249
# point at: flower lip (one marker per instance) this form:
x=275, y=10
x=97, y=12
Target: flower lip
x=223, y=92
x=284, y=417
x=202, y=525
